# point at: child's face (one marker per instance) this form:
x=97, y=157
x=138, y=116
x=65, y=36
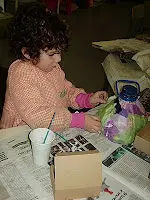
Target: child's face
x=48, y=60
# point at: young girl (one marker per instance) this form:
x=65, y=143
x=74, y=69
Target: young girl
x=36, y=85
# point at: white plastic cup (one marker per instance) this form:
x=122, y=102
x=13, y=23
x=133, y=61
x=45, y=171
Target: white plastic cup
x=41, y=151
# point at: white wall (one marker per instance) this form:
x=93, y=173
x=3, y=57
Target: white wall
x=2, y=3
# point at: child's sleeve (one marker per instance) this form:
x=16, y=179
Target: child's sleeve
x=31, y=107
x=77, y=97
x=72, y=93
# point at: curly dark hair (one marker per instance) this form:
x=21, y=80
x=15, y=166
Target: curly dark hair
x=35, y=28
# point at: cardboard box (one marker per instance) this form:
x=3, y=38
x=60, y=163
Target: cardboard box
x=76, y=175
x=142, y=140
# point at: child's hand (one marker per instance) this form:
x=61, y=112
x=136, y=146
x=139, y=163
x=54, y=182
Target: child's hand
x=92, y=123
x=99, y=97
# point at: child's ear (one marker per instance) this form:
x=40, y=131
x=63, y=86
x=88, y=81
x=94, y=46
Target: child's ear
x=24, y=53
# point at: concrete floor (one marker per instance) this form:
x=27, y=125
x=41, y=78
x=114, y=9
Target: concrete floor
x=82, y=62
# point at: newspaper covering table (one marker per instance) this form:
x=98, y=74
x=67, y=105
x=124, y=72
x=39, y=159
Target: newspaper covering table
x=125, y=175
x=126, y=45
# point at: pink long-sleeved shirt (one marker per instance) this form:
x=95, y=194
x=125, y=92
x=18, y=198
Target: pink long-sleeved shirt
x=32, y=96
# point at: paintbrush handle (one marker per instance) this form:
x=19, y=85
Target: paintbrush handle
x=49, y=128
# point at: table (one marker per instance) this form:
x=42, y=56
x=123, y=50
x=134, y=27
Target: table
x=21, y=179
x=125, y=68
